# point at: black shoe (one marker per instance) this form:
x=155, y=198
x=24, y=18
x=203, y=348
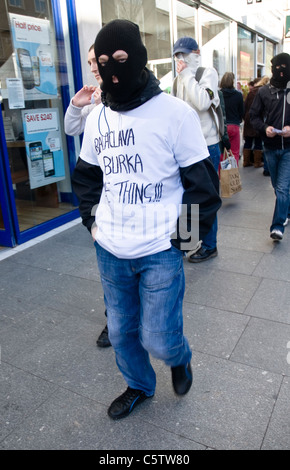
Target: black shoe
x=125, y=403
x=103, y=340
x=266, y=173
x=181, y=379
x=202, y=255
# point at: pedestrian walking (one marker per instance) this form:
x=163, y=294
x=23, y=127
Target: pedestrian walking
x=201, y=95
x=270, y=116
x=234, y=106
x=147, y=150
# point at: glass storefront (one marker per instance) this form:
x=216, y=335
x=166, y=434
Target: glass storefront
x=215, y=42
x=152, y=17
x=253, y=61
x=31, y=79
x=186, y=18
x=245, y=55
x=270, y=52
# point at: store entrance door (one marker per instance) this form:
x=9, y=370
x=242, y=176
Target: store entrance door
x=6, y=229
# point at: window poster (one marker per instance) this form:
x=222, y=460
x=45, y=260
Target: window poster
x=43, y=146
x=34, y=56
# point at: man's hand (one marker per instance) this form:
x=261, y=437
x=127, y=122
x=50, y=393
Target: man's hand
x=97, y=96
x=270, y=132
x=286, y=131
x=83, y=96
x=94, y=231
x=180, y=65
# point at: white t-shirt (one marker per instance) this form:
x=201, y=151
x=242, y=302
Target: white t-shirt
x=140, y=152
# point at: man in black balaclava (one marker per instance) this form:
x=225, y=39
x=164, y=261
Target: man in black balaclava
x=130, y=72
x=147, y=149
x=270, y=115
x=280, y=70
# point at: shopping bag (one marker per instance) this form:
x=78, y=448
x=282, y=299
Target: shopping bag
x=230, y=179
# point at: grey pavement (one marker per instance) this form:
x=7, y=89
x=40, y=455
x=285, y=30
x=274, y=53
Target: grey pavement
x=56, y=385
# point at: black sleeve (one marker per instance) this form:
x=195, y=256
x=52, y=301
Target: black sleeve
x=225, y=141
x=87, y=183
x=201, y=187
x=257, y=115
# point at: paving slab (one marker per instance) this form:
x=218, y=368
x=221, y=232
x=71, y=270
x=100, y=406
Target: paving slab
x=68, y=421
x=20, y=395
x=278, y=433
x=263, y=345
x=211, y=330
x=228, y=407
x=271, y=301
x=220, y=289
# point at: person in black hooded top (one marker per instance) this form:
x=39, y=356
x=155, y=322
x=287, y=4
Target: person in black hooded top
x=270, y=116
x=143, y=155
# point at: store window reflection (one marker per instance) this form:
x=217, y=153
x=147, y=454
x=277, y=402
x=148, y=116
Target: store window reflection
x=270, y=52
x=245, y=56
x=32, y=113
x=215, y=42
x=185, y=19
x=152, y=17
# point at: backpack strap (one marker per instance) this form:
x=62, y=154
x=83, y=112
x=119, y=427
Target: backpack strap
x=216, y=113
x=199, y=73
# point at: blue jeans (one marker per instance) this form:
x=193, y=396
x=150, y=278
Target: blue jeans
x=279, y=167
x=144, y=299
x=210, y=240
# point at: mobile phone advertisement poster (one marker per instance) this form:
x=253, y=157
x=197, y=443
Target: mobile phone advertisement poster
x=43, y=146
x=34, y=56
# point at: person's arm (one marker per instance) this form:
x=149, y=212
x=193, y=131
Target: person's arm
x=241, y=107
x=201, y=186
x=75, y=119
x=257, y=115
x=204, y=93
x=79, y=108
x=87, y=183
x=225, y=142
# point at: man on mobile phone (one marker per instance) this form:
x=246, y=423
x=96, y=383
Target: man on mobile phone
x=200, y=94
x=270, y=115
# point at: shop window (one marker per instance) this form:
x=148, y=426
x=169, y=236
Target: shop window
x=185, y=19
x=270, y=52
x=16, y=3
x=152, y=17
x=40, y=6
x=215, y=42
x=245, y=56
x=260, y=50
x=32, y=113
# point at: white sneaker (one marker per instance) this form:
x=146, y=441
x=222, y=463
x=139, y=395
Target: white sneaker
x=286, y=222
x=276, y=235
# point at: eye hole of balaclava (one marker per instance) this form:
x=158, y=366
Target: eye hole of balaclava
x=121, y=35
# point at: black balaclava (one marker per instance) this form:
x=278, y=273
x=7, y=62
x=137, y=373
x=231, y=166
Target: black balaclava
x=281, y=76
x=122, y=35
